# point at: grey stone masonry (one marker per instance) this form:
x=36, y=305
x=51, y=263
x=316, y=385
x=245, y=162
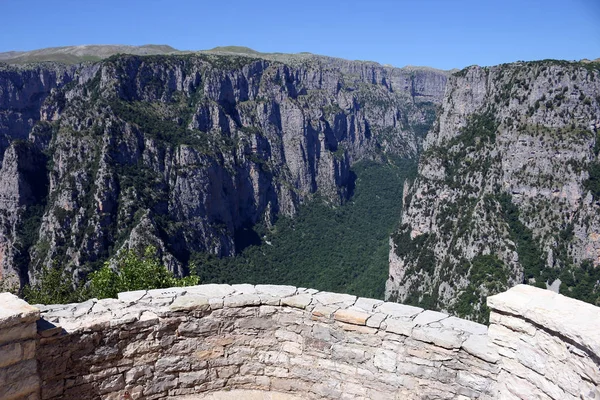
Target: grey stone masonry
x=19, y=377
x=317, y=345
x=549, y=345
x=171, y=343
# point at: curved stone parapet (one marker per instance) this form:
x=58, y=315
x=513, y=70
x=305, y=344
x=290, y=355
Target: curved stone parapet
x=293, y=342
x=549, y=345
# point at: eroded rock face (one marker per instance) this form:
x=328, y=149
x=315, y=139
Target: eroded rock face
x=502, y=193
x=184, y=152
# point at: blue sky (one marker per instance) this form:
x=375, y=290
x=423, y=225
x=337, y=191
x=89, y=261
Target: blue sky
x=439, y=33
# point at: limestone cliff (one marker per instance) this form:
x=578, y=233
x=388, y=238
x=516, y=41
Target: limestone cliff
x=188, y=152
x=507, y=189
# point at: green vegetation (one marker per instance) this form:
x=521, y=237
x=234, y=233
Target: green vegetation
x=581, y=282
x=578, y=281
x=487, y=276
x=593, y=182
x=528, y=249
x=132, y=272
x=342, y=249
x=54, y=286
x=135, y=273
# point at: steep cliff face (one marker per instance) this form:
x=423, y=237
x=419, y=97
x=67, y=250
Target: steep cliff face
x=23, y=90
x=507, y=189
x=188, y=152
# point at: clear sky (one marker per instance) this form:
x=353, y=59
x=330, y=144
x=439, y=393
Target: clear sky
x=439, y=33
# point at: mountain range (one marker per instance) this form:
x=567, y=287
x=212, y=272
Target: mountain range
x=104, y=148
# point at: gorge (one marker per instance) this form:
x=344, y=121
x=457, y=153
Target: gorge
x=203, y=155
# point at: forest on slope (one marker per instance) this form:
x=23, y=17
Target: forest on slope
x=189, y=153
x=341, y=249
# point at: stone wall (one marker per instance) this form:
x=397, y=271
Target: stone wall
x=549, y=345
x=316, y=345
x=18, y=367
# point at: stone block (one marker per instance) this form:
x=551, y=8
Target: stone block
x=328, y=298
x=29, y=348
x=244, y=288
x=47, y=329
x=513, y=323
x=267, y=299
x=526, y=382
x=298, y=301
x=254, y=323
x=324, y=311
x=138, y=373
x=111, y=384
x=357, y=328
x=292, y=347
x=376, y=319
x=276, y=290
x=241, y=300
x=189, y=302
x=446, y=338
x=351, y=316
x=132, y=296
x=574, y=319
x=427, y=317
x=398, y=310
x=14, y=311
x=385, y=360
x=479, y=346
x=284, y=334
x=503, y=337
x=10, y=354
x=211, y=290
x=19, y=380
x=532, y=358
x=18, y=332
x=399, y=326
x=367, y=304
x=464, y=325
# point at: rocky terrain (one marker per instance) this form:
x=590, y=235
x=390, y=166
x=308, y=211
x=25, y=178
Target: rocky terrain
x=187, y=152
x=507, y=191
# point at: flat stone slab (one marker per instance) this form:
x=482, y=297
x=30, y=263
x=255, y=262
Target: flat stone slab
x=327, y=298
x=427, y=317
x=574, y=319
x=211, y=290
x=276, y=290
x=297, y=301
x=398, y=310
x=190, y=302
x=240, y=395
x=351, y=317
x=14, y=310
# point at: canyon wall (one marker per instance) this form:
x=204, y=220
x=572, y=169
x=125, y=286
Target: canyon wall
x=318, y=345
x=507, y=190
x=187, y=152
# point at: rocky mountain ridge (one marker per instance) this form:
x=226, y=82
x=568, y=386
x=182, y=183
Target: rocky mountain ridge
x=507, y=190
x=187, y=152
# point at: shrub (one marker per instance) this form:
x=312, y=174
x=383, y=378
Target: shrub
x=54, y=286
x=135, y=273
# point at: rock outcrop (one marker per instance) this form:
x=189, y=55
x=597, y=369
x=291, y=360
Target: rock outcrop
x=507, y=189
x=188, y=152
